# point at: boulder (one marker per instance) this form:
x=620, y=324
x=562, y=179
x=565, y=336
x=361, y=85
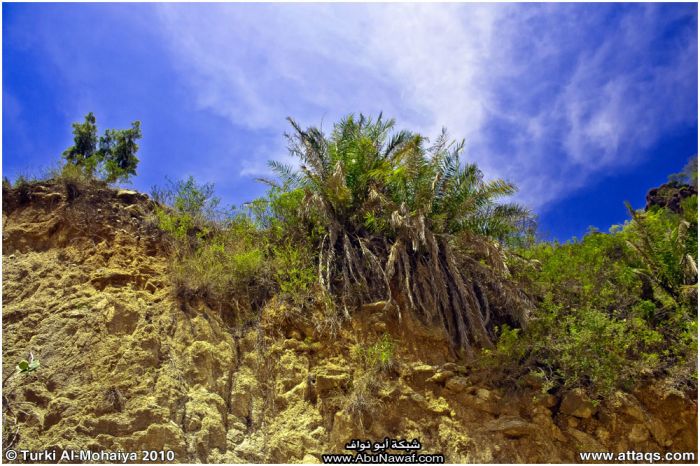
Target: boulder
x=329, y=379
x=128, y=196
x=477, y=403
x=450, y=366
x=483, y=394
x=379, y=327
x=638, y=434
x=629, y=405
x=659, y=432
x=457, y=384
x=669, y=196
x=546, y=400
x=511, y=426
x=49, y=197
x=585, y=441
x=439, y=406
x=419, y=369
x=440, y=377
x=577, y=403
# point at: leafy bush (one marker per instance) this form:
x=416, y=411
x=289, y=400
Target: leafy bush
x=614, y=308
x=666, y=246
x=294, y=272
x=186, y=210
x=379, y=356
x=221, y=258
x=74, y=178
x=222, y=270
x=240, y=256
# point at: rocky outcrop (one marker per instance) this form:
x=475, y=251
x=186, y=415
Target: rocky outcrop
x=669, y=196
x=577, y=403
x=126, y=365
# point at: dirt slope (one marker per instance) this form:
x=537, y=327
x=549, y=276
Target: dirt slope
x=126, y=365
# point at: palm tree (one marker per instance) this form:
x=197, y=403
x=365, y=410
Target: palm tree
x=399, y=216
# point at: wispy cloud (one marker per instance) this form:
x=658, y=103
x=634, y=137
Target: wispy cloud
x=548, y=96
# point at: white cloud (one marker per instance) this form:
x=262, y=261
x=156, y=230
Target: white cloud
x=547, y=96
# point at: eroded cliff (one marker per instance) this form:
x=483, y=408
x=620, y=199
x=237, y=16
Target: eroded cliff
x=128, y=365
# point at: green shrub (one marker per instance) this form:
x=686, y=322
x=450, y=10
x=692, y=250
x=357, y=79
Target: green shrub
x=186, y=210
x=218, y=268
x=279, y=212
x=614, y=308
x=73, y=177
x=380, y=356
x=221, y=258
x=294, y=271
x=229, y=265
x=593, y=272
x=666, y=245
x=579, y=348
x=23, y=180
x=374, y=361
x=291, y=238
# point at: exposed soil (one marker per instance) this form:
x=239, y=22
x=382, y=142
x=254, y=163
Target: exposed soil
x=127, y=365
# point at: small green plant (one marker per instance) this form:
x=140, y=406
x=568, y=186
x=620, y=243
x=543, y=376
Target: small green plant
x=25, y=366
x=379, y=356
x=10, y=412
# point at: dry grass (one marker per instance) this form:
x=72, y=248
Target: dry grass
x=362, y=401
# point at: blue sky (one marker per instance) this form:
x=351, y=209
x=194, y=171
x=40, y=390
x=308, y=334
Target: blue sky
x=583, y=106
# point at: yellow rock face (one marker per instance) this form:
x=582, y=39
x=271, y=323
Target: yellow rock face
x=127, y=365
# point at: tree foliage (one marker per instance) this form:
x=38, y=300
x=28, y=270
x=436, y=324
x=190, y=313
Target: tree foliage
x=84, y=143
x=112, y=156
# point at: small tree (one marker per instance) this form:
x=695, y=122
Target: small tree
x=82, y=153
x=406, y=222
x=118, y=152
x=115, y=159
